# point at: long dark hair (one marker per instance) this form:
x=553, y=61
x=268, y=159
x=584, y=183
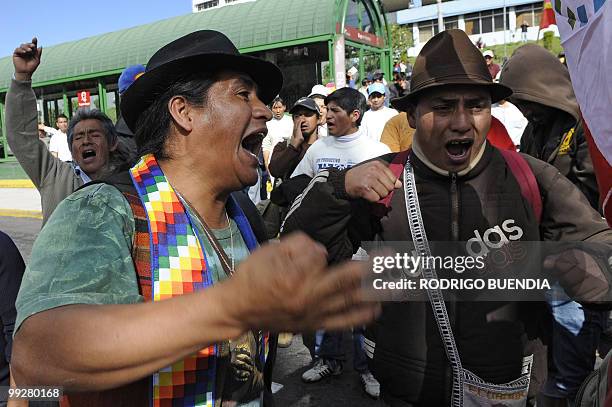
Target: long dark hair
x=153, y=125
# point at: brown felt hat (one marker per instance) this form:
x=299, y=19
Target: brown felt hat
x=449, y=58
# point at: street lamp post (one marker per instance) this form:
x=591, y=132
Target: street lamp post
x=440, y=18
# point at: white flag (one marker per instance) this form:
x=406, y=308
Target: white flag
x=585, y=27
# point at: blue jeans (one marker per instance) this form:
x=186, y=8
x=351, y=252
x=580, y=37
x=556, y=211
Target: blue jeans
x=574, y=339
x=332, y=348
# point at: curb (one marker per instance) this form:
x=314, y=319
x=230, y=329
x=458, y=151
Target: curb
x=16, y=183
x=21, y=213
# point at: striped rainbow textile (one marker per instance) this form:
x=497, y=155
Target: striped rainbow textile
x=179, y=266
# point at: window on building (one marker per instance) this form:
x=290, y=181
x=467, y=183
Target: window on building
x=451, y=23
x=529, y=14
x=472, y=23
x=207, y=4
x=498, y=20
x=486, y=22
x=427, y=29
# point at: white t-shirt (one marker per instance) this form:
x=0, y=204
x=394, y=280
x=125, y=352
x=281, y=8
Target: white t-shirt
x=278, y=130
x=59, y=145
x=374, y=121
x=339, y=152
x=512, y=118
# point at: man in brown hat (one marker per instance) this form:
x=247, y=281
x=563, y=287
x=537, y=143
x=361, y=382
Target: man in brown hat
x=453, y=186
x=144, y=292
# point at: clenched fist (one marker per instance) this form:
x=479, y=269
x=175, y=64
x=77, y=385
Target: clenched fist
x=26, y=59
x=371, y=181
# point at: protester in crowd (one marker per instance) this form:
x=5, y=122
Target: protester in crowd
x=350, y=78
x=279, y=127
x=347, y=143
x=397, y=134
x=464, y=186
x=42, y=134
x=318, y=94
x=126, y=140
x=91, y=136
x=11, y=272
x=374, y=120
x=492, y=66
x=555, y=135
x=286, y=156
x=512, y=119
x=346, y=146
x=524, y=27
x=364, y=87
x=104, y=251
x=398, y=87
x=379, y=77
x=59, y=142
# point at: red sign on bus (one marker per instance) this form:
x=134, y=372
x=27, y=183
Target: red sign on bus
x=84, y=98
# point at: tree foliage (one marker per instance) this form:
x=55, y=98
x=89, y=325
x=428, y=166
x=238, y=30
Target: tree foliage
x=401, y=40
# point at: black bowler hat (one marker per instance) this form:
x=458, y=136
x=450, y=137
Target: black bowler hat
x=205, y=51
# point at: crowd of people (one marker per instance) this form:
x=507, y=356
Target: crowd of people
x=152, y=281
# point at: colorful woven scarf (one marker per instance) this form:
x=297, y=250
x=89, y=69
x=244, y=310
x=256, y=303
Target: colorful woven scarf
x=179, y=266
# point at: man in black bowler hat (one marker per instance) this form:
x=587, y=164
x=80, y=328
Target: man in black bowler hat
x=146, y=291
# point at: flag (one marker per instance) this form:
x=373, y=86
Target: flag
x=548, y=15
x=585, y=27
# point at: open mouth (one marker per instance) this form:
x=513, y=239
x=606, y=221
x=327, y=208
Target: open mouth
x=252, y=142
x=88, y=155
x=458, y=150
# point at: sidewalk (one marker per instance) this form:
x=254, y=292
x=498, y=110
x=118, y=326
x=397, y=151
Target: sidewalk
x=18, y=197
x=20, y=202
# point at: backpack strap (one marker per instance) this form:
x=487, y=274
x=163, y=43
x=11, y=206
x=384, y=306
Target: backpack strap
x=526, y=180
x=396, y=166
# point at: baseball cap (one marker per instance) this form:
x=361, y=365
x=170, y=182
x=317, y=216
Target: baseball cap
x=319, y=90
x=376, y=87
x=306, y=103
x=128, y=76
x=488, y=53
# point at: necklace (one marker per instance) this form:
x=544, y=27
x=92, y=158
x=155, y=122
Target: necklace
x=223, y=257
x=229, y=225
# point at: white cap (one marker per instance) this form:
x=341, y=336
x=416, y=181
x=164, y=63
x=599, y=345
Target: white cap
x=319, y=90
x=488, y=53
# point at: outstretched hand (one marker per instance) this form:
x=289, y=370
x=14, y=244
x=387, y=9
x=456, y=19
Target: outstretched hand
x=287, y=287
x=26, y=59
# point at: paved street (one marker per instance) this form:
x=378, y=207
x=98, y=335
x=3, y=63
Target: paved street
x=291, y=362
x=23, y=231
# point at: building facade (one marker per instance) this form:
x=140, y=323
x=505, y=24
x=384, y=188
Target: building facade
x=202, y=5
x=492, y=22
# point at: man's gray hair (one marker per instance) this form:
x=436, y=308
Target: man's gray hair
x=95, y=114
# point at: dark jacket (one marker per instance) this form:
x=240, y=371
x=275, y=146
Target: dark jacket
x=285, y=158
x=409, y=358
x=11, y=272
x=560, y=141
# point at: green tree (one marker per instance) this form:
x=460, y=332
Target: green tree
x=401, y=40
